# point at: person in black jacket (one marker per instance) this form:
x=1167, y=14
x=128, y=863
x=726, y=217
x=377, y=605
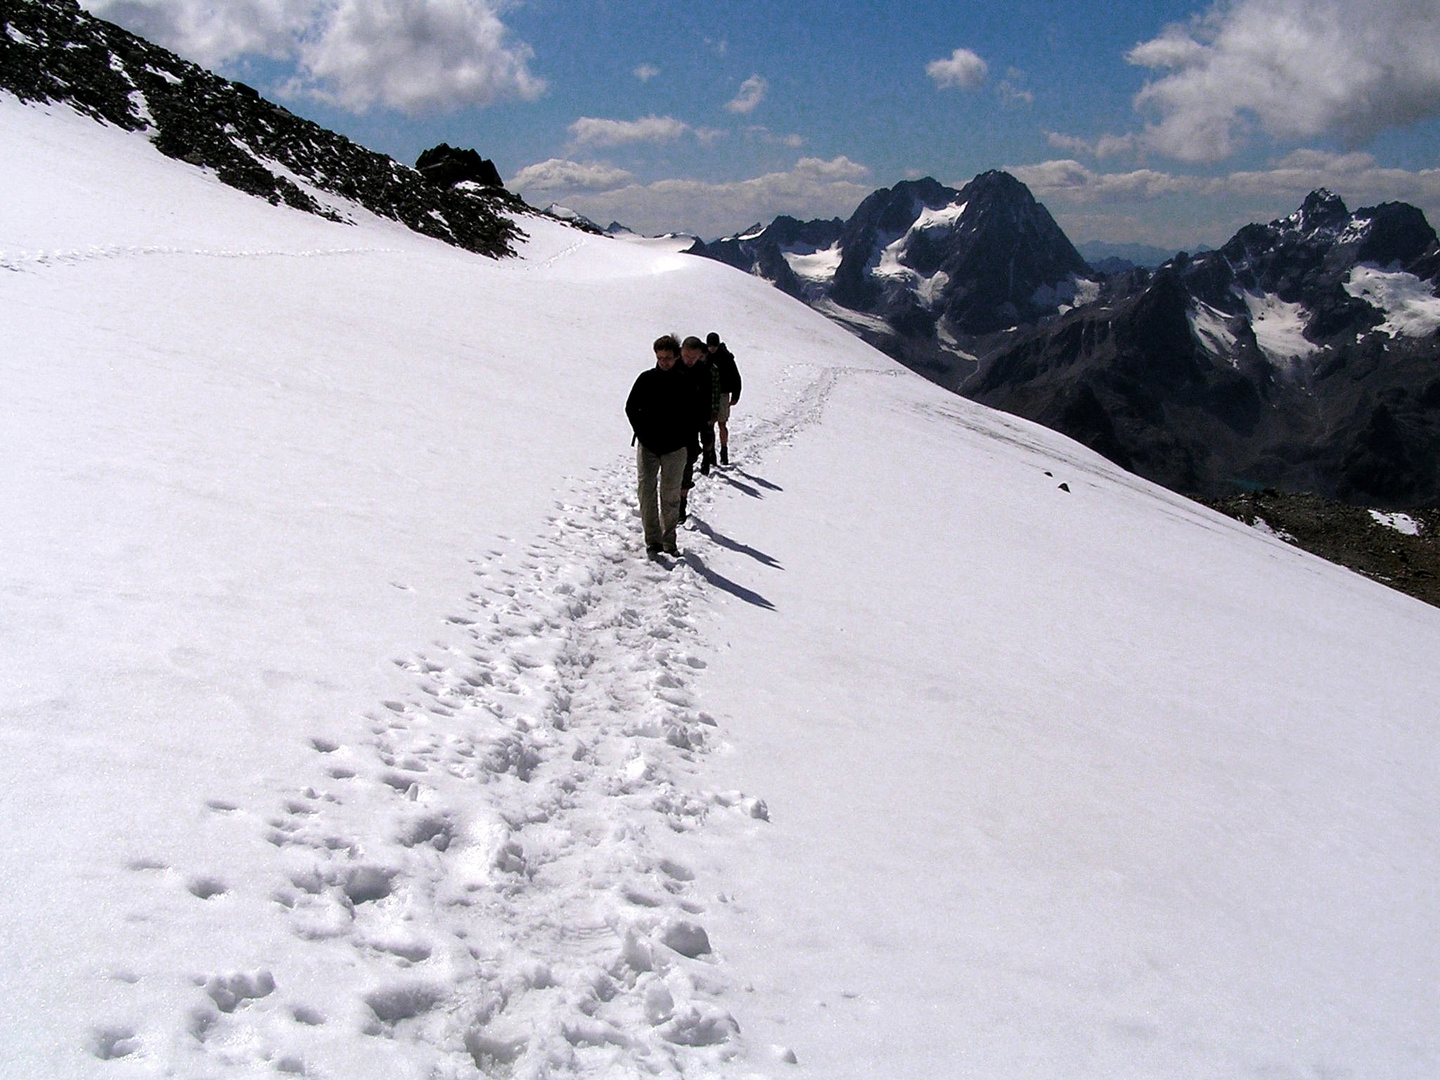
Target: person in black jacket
x=727, y=389
x=661, y=411
x=695, y=366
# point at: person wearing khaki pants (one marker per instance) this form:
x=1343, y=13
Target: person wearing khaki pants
x=662, y=414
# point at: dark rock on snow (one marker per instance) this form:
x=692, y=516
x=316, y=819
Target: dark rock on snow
x=447, y=166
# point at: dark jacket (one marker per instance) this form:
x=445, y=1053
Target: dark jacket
x=726, y=372
x=705, y=391
x=661, y=409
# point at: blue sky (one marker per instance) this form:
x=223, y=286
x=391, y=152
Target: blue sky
x=1172, y=122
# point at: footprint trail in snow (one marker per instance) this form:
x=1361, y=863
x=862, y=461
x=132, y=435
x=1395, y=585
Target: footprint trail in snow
x=492, y=876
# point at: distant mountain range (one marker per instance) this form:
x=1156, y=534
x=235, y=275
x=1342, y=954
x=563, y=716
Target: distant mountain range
x=1303, y=355
x=1099, y=253
x=921, y=270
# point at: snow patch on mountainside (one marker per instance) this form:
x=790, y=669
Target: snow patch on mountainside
x=1409, y=303
x=1401, y=523
x=1073, y=292
x=945, y=217
x=814, y=266
x=858, y=319
x=1211, y=327
x=1279, y=328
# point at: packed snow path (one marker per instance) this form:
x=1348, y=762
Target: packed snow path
x=492, y=875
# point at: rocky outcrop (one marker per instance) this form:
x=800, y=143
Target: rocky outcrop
x=448, y=166
x=51, y=51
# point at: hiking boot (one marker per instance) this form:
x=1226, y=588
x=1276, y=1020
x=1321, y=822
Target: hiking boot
x=724, y=454
x=673, y=550
x=652, y=550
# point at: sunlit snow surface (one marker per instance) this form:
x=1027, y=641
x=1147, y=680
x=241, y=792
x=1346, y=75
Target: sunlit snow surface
x=1410, y=305
x=349, y=734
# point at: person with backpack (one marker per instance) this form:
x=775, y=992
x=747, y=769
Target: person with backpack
x=662, y=413
x=726, y=390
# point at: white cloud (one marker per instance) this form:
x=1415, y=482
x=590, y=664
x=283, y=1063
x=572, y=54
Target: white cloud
x=1013, y=95
x=410, y=55
x=962, y=70
x=752, y=92
x=1073, y=143
x=1075, y=182
x=812, y=188
x=211, y=33
x=1292, y=68
x=840, y=168
x=1106, y=146
x=560, y=175
x=770, y=138
x=646, y=72
x=1356, y=176
x=591, y=131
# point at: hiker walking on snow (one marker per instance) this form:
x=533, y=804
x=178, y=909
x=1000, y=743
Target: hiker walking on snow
x=700, y=378
x=726, y=390
x=661, y=410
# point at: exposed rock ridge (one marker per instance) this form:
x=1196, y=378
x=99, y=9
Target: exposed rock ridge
x=52, y=51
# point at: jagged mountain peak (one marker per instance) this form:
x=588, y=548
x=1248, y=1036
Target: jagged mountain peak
x=1322, y=211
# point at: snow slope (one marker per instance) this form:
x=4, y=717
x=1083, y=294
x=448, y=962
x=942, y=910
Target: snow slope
x=350, y=735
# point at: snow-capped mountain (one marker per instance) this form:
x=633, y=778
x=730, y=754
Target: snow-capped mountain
x=1301, y=355
x=922, y=270
x=52, y=51
x=349, y=733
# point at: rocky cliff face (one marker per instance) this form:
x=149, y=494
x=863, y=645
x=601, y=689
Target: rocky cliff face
x=51, y=51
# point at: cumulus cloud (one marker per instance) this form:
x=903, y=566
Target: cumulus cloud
x=752, y=92
x=1357, y=176
x=813, y=187
x=410, y=55
x=1014, y=95
x=591, y=131
x=1104, y=147
x=211, y=33
x=1292, y=68
x=770, y=138
x=1068, y=179
x=561, y=175
x=962, y=70
x=646, y=72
